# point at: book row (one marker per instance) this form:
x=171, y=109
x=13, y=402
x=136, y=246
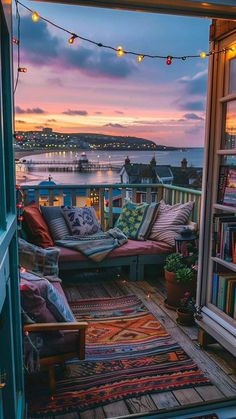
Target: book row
x=224, y=237
x=224, y=293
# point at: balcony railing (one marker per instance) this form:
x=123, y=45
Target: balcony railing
x=108, y=199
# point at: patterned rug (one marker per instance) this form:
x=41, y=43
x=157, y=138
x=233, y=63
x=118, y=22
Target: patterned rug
x=128, y=354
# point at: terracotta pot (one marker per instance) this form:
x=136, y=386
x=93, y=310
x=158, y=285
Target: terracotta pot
x=184, y=317
x=176, y=290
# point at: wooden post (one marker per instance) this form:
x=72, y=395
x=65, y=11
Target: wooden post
x=204, y=339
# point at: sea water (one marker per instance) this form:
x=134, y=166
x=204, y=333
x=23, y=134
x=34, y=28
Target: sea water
x=194, y=156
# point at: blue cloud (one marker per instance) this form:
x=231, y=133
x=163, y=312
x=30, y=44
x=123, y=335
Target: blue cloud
x=41, y=48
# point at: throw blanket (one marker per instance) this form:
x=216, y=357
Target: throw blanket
x=97, y=246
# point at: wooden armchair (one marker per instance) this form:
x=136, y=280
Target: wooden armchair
x=77, y=349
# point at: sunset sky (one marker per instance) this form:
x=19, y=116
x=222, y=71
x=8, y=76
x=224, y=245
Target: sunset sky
x=83, y=88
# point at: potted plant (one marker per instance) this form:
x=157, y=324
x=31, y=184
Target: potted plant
x=185, y=313
x=180, y=278
x=173, y=263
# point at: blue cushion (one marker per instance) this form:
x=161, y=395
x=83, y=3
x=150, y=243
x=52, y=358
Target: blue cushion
x=58, y=305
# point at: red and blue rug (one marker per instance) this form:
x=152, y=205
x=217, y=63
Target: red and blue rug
x=128, y=354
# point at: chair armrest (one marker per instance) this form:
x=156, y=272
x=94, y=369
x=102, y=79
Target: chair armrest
x=48, y=327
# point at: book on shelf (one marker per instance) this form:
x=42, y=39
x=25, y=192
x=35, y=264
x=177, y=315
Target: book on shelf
x=227, y=186
x=234, y=304
x=224, y=237
x=224, y=292
x=215, y=284
x=230, y=297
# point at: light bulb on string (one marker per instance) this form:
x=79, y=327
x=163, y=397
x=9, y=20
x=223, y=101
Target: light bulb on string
x=71, y=40
x=169, y=60
x=119, y=51
x=203, y=55
x=140, y=58
x=22, y=70
x=15, y=41
x=35, y=17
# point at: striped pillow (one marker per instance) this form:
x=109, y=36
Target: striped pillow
x=170, y=221
x=135, y=220
x=56, y=222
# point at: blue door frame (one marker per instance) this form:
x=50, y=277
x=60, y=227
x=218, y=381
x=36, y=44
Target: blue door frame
x=11, y=365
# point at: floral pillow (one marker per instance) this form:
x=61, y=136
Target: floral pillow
x=136, y=220
x=81, y=221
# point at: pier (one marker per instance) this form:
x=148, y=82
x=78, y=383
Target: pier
x=68, y=166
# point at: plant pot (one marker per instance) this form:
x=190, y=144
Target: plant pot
x=176, y=290
x=185, y=318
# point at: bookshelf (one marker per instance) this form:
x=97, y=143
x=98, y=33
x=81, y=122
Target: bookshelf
x=216, y=294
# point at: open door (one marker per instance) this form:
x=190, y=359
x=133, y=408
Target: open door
x=11, y=365
x=217, y=273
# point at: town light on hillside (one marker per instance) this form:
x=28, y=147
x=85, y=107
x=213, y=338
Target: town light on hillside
x=35, y=17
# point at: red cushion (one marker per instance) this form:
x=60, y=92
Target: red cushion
x=131, y=248
x=36, y=227
x=33, y=302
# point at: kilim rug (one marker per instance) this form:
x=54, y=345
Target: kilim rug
x=128, y=354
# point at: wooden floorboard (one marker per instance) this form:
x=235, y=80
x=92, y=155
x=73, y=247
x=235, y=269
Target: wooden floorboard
x=216, y=363
x=187, y=396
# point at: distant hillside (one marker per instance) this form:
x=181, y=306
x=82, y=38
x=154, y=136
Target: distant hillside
x=41, y=139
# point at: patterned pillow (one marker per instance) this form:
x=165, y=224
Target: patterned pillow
x=81, y=221
x=56, y=222
x=58, y=305
x=170, y=221
x=36, y=259
x=136, y=220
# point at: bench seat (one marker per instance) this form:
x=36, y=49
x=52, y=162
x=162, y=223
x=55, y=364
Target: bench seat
x=130, y=254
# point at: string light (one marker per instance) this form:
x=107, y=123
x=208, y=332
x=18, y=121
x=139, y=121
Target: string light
x=15, y=41
x=120, y=52
x=35, y=17
x=71, y=40
x=140, y=58
x=203, y=55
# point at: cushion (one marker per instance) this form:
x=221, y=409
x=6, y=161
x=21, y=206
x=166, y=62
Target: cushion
x=33, y=301
x=58, y=304
x=35, y=226
x=43, y=294
x=81, y=221
x=131, y=248
x=136, y=220
x=56, y=222
x=170, y=221
x=36, y=259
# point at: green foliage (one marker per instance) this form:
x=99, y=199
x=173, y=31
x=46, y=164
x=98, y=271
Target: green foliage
x=184, y=274
x=188, y=303
x=174, y=262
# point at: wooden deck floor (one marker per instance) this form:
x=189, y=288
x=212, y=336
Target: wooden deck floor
x=216, y=363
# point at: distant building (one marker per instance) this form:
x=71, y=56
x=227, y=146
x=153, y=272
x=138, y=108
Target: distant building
x=47, y=130
x=145, y=173
x=165, y=174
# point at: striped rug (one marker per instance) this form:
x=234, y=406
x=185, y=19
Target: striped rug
x=128, y=354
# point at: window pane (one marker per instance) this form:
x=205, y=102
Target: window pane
x=232, y=76
x=229, y=136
